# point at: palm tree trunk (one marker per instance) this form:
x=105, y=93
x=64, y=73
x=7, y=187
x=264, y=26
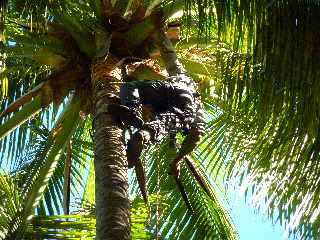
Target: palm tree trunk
x=112, y=203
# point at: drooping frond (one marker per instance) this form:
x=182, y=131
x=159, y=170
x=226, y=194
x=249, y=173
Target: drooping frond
x=33, y=159
x=10, y=204
x=33, y=177
x=268, y=71
x=62, y=226
x=270, y=84
x=82, y=224
x=208, y=218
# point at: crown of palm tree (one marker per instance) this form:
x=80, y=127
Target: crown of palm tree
x=49, y=53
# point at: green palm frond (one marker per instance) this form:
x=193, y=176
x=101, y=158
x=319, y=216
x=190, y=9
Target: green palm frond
x=208, y=220
x=82, y=224
x=19, y=118
x=28, y=167
x=60, y=134
x=22, y=76
x=35, y=179
x=266, y=81
x=268, y=98
x=10, y=203
x=83, y=143
x=25, y=74
x=62, y=226
x=266, y=147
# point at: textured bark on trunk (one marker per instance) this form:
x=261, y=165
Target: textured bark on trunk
x=112, y=203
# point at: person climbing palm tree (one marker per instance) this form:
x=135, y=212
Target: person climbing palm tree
x=174, y=106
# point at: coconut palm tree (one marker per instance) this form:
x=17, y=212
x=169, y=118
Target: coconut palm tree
x=265, y=88
x=62, y=58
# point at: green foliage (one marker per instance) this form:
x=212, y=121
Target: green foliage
x=270, y=88
x=82, y=225
x=62, y=227
x=9, y=207
x=264, y=107
x=37, y=172
x=139, y=218
x=19, y=118
x=173, y=220
x=58, y=226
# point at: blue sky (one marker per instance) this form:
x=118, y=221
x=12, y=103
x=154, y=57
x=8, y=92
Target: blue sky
x=252, y=225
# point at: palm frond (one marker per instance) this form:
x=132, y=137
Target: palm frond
x=82, y=224
x=19, y=118
x=62, y=226
x=10, y=204
x=208, y=219
x=38, y=178
x=265, y=149
x=269, y=103
x=28, y=167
